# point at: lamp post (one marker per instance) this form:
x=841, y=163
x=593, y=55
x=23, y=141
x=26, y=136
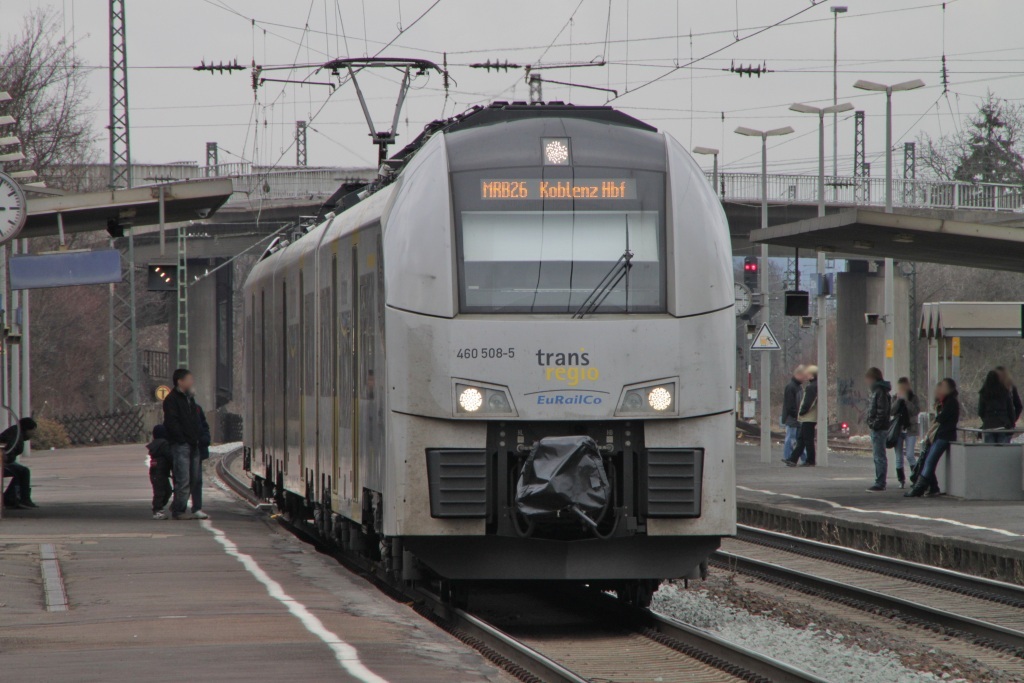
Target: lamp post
x=821, y=332
x=764, y=393
x=836, y=11
x=890, y=285
x=714, y=174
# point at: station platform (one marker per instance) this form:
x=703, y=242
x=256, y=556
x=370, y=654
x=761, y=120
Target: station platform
x=235, y=598
x=831, y=504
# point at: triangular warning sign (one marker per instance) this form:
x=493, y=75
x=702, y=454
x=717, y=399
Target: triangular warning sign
x=765, y=340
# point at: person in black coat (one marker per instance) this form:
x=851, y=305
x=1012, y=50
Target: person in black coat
x=878, y=417
x=1018, y=407
x=995, y=408
x=790, y=407
x=12, y=440
x=943, y=432
x=181, y=419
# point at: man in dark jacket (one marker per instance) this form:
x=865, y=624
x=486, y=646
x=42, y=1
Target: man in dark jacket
x=1018, y=406
x=790, y=405
x=183, y=431
x=12, y=440
x=878, y=418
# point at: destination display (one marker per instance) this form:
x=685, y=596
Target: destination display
x=533, y=188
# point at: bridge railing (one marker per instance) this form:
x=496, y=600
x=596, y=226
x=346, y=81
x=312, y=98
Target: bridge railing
x=870, y=191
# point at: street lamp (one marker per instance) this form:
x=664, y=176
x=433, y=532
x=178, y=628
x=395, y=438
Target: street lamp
x=822, y=331
x=836, y=11
x=714, y=174
x=766, y=365
x=890, y=285
x=821, y=111
x=889, y=90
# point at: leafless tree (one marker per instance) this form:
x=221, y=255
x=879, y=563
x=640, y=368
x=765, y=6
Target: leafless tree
x=46, y=80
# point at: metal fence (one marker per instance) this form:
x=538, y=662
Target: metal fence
x=156, y=364
x=870, y=191
x=123, y=426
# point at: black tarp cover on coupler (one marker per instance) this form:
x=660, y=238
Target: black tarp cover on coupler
x=565, y=475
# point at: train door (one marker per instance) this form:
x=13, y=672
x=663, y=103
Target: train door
x=308, y=411
x=353, y=386
x=259, y=379
x=285, y=376
x=335, y=349
x=300, y=368
x=345, y=434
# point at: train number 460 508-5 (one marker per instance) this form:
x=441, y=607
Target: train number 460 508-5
x=486, y=352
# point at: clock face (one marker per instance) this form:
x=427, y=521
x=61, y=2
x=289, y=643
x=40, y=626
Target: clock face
x=13, y=208
x=743, y=298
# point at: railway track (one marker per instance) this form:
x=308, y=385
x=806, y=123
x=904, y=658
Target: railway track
x=574, y=636
x=978, y=610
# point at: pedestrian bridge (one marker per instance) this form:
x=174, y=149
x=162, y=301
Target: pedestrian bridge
x=848, y=191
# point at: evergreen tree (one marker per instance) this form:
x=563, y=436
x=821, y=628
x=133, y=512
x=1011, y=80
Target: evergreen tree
x=987, y=150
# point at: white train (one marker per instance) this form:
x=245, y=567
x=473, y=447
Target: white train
x=513, y=361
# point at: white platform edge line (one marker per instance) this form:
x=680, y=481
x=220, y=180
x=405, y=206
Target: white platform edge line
x=890, y=513
x=347, y=655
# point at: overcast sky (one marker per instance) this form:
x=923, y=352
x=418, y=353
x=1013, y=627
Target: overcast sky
x=175, y=111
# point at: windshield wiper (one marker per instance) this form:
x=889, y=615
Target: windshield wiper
x=607, y=284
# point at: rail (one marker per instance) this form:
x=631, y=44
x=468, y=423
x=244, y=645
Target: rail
x=988, y=634
x=870, y=191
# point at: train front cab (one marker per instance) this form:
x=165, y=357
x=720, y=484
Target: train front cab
x=500, y=321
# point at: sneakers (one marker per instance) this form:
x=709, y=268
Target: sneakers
x=876, y=488
x=183, y=515
x=789, y=463
x=199, y=514
x=159, y=514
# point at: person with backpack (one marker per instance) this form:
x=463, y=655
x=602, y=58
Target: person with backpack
x=159, y=450
x=905, y=410
x=878, y=419
x=941, y=435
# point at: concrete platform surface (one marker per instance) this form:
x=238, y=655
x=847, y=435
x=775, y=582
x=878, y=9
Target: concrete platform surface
x=831, y=504
x=232, y=599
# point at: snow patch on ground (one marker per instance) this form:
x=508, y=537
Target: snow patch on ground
x=819, y=651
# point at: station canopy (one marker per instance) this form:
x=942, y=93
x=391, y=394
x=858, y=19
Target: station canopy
x=948, y=319
x=95, y=211
x=925, y=236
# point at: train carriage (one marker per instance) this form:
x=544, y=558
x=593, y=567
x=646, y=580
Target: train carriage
x=512, y=360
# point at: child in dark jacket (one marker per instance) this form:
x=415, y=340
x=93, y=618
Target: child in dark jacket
x=160, y=470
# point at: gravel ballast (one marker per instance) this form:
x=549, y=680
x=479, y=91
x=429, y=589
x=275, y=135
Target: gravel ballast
x=819, y=651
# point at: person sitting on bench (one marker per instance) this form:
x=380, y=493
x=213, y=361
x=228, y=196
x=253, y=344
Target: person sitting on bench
x=12, y=439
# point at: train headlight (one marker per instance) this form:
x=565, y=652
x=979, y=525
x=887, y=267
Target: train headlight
x=659, y=398
x=480, y=400
x=649, y=398
x=470, y=399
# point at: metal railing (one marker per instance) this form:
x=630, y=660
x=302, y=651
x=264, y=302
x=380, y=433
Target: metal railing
x=870, y=191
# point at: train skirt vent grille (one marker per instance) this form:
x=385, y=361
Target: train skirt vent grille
x=671, y=483
x=458, y=482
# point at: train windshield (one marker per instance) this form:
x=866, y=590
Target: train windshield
x=556, y=261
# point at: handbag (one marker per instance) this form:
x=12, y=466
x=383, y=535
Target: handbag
x=892, y=435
